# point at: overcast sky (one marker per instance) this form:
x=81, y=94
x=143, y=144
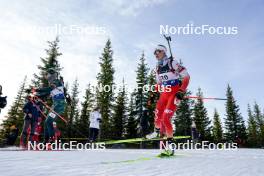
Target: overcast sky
x=133, y=26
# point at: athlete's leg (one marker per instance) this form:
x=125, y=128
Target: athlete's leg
x=46, y=132
x=91, y=134
x=160, y=106
x=96, y=132
x=32, y=129
x=58, y=107
x=24, y=134
x=168, y=113
x=162, y=130
x=49, y=125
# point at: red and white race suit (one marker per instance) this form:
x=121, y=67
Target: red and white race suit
x=174, y=75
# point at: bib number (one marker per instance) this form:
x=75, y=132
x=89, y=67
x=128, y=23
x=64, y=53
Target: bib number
x=167, y=76
x=57, y=91
x=51, y=114
x=164, y=77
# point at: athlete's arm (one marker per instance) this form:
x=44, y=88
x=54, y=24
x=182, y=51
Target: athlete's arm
x=42, y=92
x=183, y=74
x=185, y=79
x=158, y=82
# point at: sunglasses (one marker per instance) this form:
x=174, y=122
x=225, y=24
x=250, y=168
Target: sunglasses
x=157, y=52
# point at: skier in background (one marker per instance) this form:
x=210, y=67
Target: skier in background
x=32, y=113
x=95, y=120
x=56, y=91
x=172, y=81
x=144, y=123
x=38, y=130
x=195, y=134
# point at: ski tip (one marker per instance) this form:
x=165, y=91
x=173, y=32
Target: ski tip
x=165, y=156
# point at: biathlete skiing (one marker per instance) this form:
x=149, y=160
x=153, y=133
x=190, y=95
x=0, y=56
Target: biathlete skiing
x=32, y=112
x=172, y=82
x=57, y=92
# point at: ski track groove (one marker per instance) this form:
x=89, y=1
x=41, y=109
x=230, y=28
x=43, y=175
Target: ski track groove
x=128, y=162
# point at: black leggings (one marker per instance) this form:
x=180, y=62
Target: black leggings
x=93, y=133
x=28, y=123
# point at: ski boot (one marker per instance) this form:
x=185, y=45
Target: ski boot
x=169, y=151
x=155, y=134
x=166, y=153
x=23, y=143
x=50, y=141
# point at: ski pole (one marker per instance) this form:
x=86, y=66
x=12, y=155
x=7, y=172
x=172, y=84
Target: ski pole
x=47, y=106
x=44, y=115
x=168, y=38
x=57, y=115
x=204, y=98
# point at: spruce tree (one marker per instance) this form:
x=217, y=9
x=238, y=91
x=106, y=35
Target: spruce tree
x=119, y=115
x=15, y=115
x=105, y=97
x=73, y=111
x=252, y=129
x=50, y=61
x=234, y=123
x=201, y=118
x=183, y=119
x=152, y=99
x=141, y=96
x=87, y=105
x=217, y=128
x=260, y=124
x=132, y=124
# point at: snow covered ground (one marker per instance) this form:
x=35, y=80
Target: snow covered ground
x=126, y=162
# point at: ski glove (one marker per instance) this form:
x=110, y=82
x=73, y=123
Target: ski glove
x=180, y=95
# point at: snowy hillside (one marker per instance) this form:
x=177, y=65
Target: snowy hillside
x=132, y=162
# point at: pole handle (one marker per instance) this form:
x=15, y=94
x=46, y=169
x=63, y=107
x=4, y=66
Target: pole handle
x=168, y=38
